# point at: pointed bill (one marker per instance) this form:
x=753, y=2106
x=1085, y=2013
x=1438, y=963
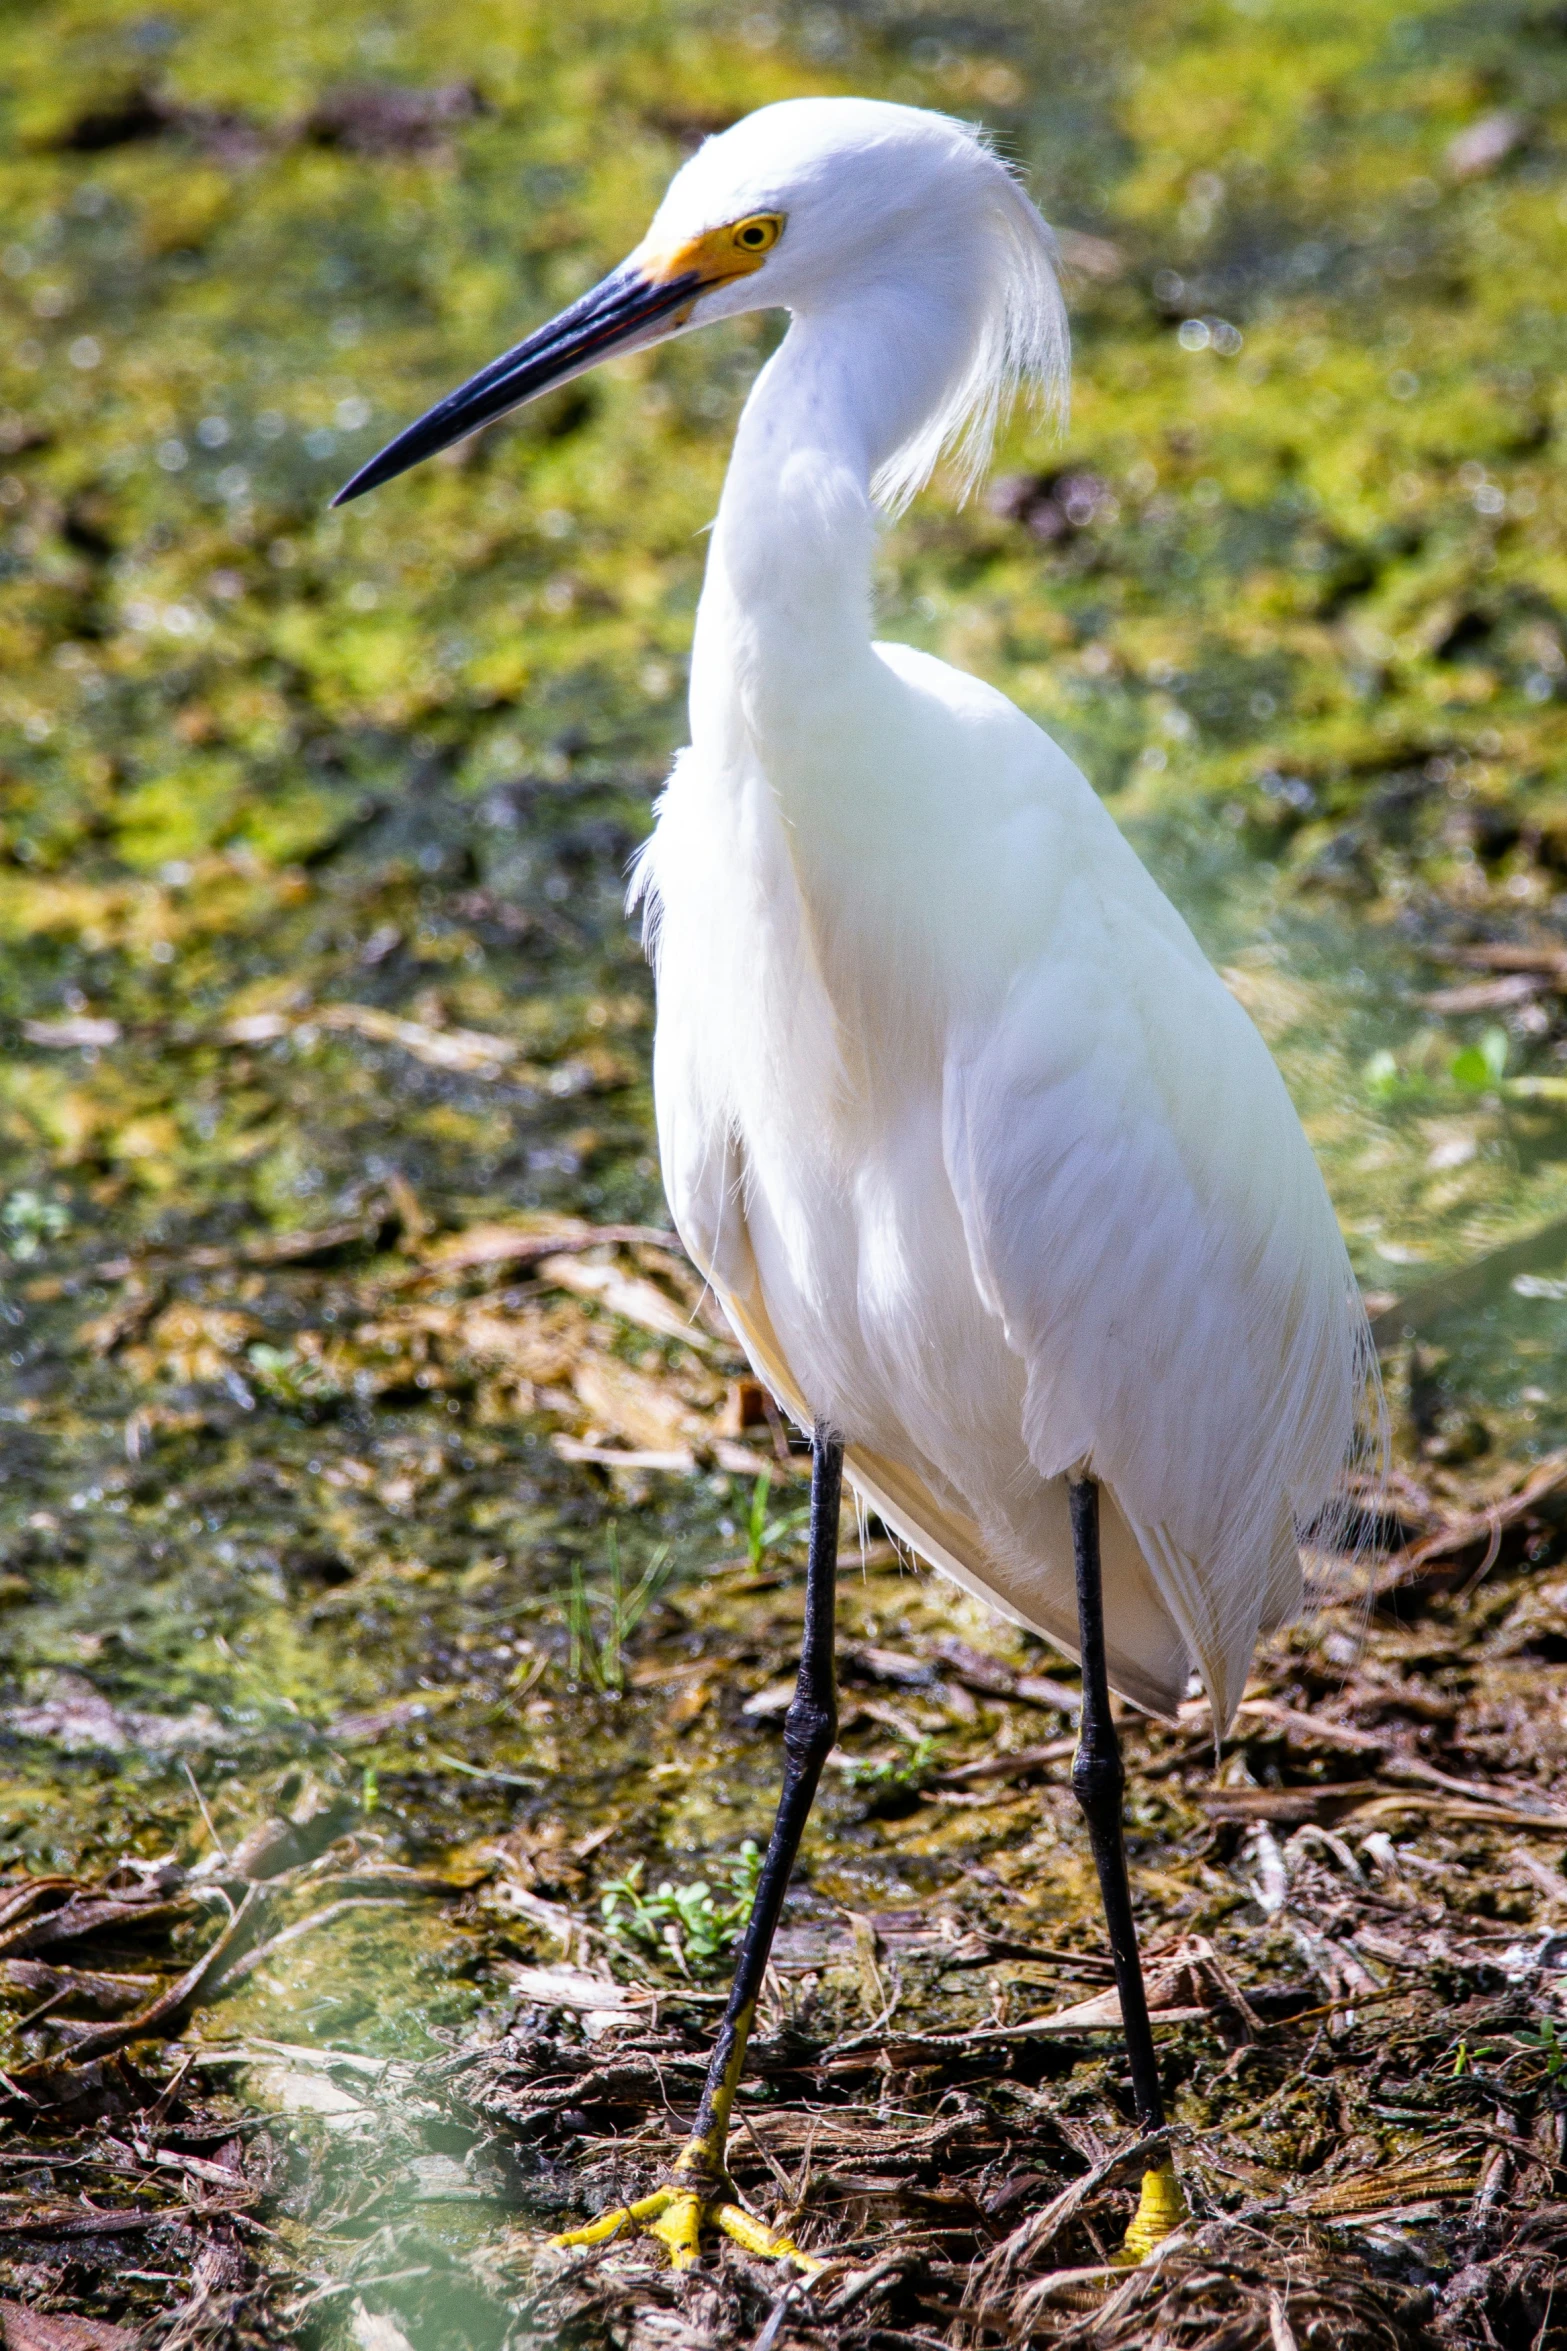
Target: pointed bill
x=623, y=311
x=647, y=297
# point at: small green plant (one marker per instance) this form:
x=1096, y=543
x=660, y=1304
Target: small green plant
x=1480, y=1069
x=890, y=1785
x=762, y=1532
x=1545, y=2042
x=1470, y=2053
x=600, y=1623
x=1380, y=1076
x=302, y=1382
x=29, y=1222
x=695, y=1925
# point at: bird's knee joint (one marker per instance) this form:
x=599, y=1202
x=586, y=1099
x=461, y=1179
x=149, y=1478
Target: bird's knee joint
x=810, y=1730
x=1098, y=1780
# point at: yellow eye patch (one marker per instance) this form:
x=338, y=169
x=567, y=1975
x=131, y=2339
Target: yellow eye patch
x=718, y=255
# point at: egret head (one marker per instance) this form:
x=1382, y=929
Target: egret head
x=899, y=220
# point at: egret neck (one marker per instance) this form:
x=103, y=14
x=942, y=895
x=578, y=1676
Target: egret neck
x=783, y=637
x=793, y=705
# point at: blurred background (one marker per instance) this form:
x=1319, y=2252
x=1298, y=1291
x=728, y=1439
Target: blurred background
x=1290, y=590
x=314, y=976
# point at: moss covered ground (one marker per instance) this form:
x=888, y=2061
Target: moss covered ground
x=379, y=1533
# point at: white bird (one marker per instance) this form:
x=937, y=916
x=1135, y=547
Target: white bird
x=995, y=1179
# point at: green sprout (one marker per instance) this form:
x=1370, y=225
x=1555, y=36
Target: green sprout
x=298, y=1381
x=1381, y=1076
x=1471, y=2053
x=1480, y=1069
x=1545, y=2042
x=697, y=1927
x=599, y=1624
x=762, y=1532
x=891, y=1783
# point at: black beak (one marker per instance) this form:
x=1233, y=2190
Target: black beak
x=615, y=315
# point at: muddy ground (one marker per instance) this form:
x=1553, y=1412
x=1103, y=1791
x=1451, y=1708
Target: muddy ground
x=400, y=1577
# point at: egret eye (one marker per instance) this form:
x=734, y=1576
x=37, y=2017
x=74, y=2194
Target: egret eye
x=758, y=234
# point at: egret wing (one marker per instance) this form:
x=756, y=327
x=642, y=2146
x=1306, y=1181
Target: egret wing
x=1145, y=1218
x=719, y=1245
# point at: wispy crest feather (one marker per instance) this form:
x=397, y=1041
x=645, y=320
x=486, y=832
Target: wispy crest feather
x=1023, y=347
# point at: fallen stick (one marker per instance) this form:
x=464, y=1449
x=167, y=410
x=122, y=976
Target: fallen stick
x=33, y=1890
x=265, y=1249
x=1100, y=2014
x=73, y=1920
x=1474, y=1526
x=496, y=1244
x=75, y=2223
x=1007, y=1767
x=99, y=2040
x=1549, y=962
x=1495, y=1815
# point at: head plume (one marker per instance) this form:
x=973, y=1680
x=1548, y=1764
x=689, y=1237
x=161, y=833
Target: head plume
x=1021, y=347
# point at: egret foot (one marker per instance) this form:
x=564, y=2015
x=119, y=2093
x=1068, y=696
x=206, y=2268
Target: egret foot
x=694, y=2199
x=1161, y=2208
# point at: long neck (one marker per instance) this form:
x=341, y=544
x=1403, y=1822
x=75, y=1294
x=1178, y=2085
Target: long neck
x=783, y=651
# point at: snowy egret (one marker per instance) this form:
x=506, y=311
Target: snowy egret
x=995, y=1179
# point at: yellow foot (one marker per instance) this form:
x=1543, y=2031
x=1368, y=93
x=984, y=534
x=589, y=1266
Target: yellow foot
x=676, y=2215
x=1161, y=2208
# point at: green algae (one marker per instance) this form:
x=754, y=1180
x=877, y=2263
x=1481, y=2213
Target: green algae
x=1293, y=591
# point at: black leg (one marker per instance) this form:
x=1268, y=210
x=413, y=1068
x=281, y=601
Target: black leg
x=810, y=1728
x=1099, y=1784
x=699, y=2189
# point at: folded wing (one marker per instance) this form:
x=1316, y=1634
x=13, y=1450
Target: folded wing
x=1145, y=1218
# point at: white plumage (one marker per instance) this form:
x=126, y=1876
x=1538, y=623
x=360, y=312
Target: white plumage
x=997, y=1183
x=982, y=1159
x=987, y=1167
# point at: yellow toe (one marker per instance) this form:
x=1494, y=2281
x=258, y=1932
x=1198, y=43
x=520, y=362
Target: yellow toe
x=621, y=2221
x=679, y=2228
x=677, y=2216
x=596, y=2232
x=754, y=2236
x=1161, y=2208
